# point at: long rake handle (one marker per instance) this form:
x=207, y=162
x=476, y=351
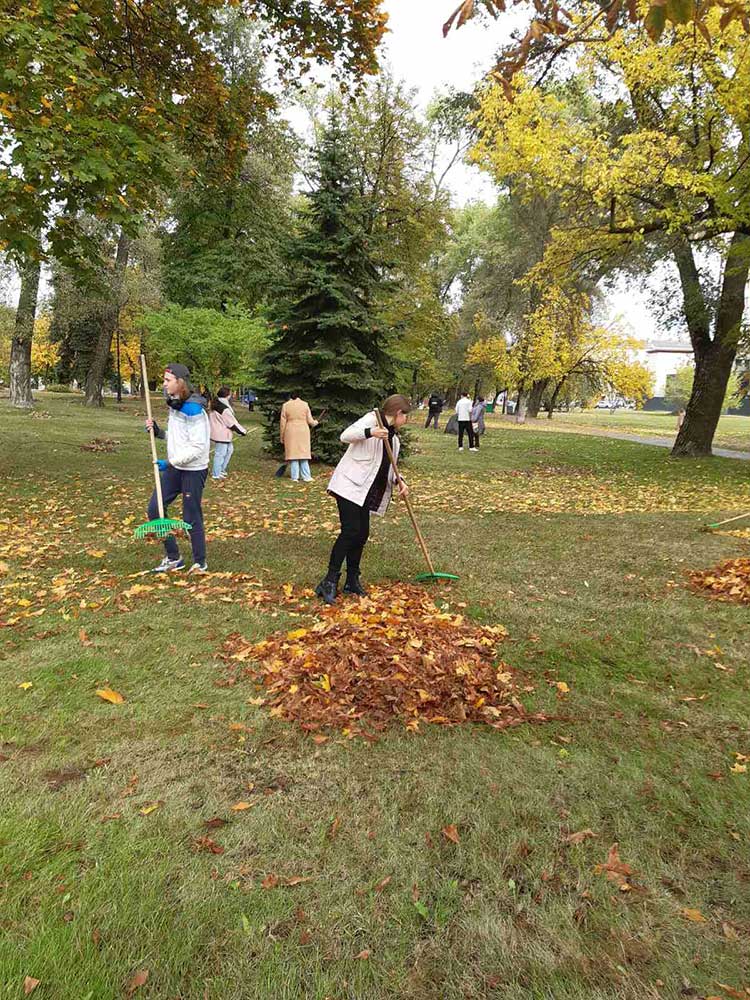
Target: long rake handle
x=152, y=439
x=417, y=532
x=729, y=520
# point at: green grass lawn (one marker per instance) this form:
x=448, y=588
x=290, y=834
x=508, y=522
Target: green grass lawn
x=732, y=432
x=577, y=545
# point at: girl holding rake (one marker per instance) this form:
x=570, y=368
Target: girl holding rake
x=362, y=483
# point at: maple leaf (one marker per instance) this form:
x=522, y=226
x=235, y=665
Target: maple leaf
x=615, y=869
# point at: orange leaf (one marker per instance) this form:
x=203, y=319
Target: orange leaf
x=139, y=979
x=613, y=868
x=107, y=694
x=364, y=954
x=29, y=985
x=451, y=833
x=382, y=884
x=270, y=881
x=298, y=880
x=578, y=838
x=241, y=806
x=694, y=915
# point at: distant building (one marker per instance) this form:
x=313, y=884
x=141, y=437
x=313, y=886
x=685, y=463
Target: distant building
x=663, y=358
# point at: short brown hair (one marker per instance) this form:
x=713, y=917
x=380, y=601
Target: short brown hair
x=183, y=389
x=393, y=404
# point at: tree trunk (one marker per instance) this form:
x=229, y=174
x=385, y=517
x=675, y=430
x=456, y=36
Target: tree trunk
x=713, y=358
x=110, y=319
x=20, y=351
x=553, y=398
x=535, y=397
x=521, y=404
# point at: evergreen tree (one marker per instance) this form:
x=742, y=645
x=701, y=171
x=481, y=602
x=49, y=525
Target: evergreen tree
x=327, y=345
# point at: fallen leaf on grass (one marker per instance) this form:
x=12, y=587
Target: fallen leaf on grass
x=297, y=879
x=107, y=694
x=110, y=816
x=214, y=823
x=29, y=985
x=206, y=844
x=241, y=806
x=382, y=884
x=615, y=869
x=578, y=838
x=147, y=810
x=364, y=954
x=695, y=915
x=451, y=833
x=25, y=685
x=138, y=980
x=735, y=994
x=738, y=768
x=270, y=882
x=333, y=829
x=83, y=638
x=562, y=687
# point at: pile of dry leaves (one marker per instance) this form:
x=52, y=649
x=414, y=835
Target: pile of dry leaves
x=729, y=581
x=101, y=444
x=394, y=656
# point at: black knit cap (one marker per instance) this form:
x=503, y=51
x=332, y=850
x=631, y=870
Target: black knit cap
x=179, y=371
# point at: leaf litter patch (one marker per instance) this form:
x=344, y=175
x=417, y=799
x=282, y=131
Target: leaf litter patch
x=728, y=581
x=394, y=657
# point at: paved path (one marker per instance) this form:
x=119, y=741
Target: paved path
x=659, y=442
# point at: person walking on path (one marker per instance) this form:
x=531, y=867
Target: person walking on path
x=434, y=409
x=223, y=425
x=294, y=431
x=463, y=414
x=362, y=483
x=477, y=418
x=186, y=468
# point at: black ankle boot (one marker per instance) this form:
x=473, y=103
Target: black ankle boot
x=353, y=585
x=328, y=588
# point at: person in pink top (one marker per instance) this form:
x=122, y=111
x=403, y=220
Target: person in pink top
x=223, y=425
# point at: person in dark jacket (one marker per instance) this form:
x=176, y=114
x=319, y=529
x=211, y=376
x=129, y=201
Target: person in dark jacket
x=362, y=483
x=434, y=409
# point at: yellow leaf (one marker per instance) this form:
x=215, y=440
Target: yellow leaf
x=24, y=602
x=695, y=915
x=241, y=806
x=149, y=809
x=562, y=686
x=25, y=685
x=107, y=694
x=296, y=633
x=738, y=768
x=96, y=553
x=256, y=701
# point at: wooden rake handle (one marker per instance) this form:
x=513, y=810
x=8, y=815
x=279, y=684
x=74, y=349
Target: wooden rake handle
x=155, y=460
x=417, y=532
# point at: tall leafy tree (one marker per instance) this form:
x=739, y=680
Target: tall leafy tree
x=97, y=99
x=661, y=171
x=327, y=343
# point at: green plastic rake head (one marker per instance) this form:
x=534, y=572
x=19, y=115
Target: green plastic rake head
x=161, y=527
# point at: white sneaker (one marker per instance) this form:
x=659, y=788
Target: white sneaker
x=461, y=448
x=168, y=565
x=199, y=568
x=473, y=449
x=308, y=480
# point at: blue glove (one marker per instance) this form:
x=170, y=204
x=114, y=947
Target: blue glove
x=163, y=464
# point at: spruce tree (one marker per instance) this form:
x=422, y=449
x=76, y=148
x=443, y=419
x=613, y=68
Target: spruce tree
x=327, y=346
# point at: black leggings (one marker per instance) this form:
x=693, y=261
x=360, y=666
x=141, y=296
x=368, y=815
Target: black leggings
x=355, y=530
x=465, y=425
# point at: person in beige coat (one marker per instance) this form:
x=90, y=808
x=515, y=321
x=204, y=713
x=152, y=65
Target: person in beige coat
x=294, y=431
x=362, y=483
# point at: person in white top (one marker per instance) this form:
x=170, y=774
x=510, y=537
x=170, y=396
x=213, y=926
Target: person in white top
x=463, y=414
